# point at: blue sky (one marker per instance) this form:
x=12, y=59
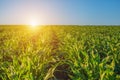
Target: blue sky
x=80, y=12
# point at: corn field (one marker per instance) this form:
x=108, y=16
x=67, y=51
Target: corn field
x=60, y=52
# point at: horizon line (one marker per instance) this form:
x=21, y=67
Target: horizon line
x=58, y=25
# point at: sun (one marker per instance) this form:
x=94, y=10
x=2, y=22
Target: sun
x=33, y=23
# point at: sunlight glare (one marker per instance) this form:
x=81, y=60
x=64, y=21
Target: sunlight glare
x=34, y=24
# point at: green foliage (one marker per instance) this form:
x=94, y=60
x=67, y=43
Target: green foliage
x=60, y=53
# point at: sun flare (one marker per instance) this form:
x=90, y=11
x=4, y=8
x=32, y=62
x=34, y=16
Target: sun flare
x=34, y=24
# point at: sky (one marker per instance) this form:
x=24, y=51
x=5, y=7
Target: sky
x=63, y=12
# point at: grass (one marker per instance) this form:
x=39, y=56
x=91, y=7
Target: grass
x=60, y=53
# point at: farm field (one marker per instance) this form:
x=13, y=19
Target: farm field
x=60, y=52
